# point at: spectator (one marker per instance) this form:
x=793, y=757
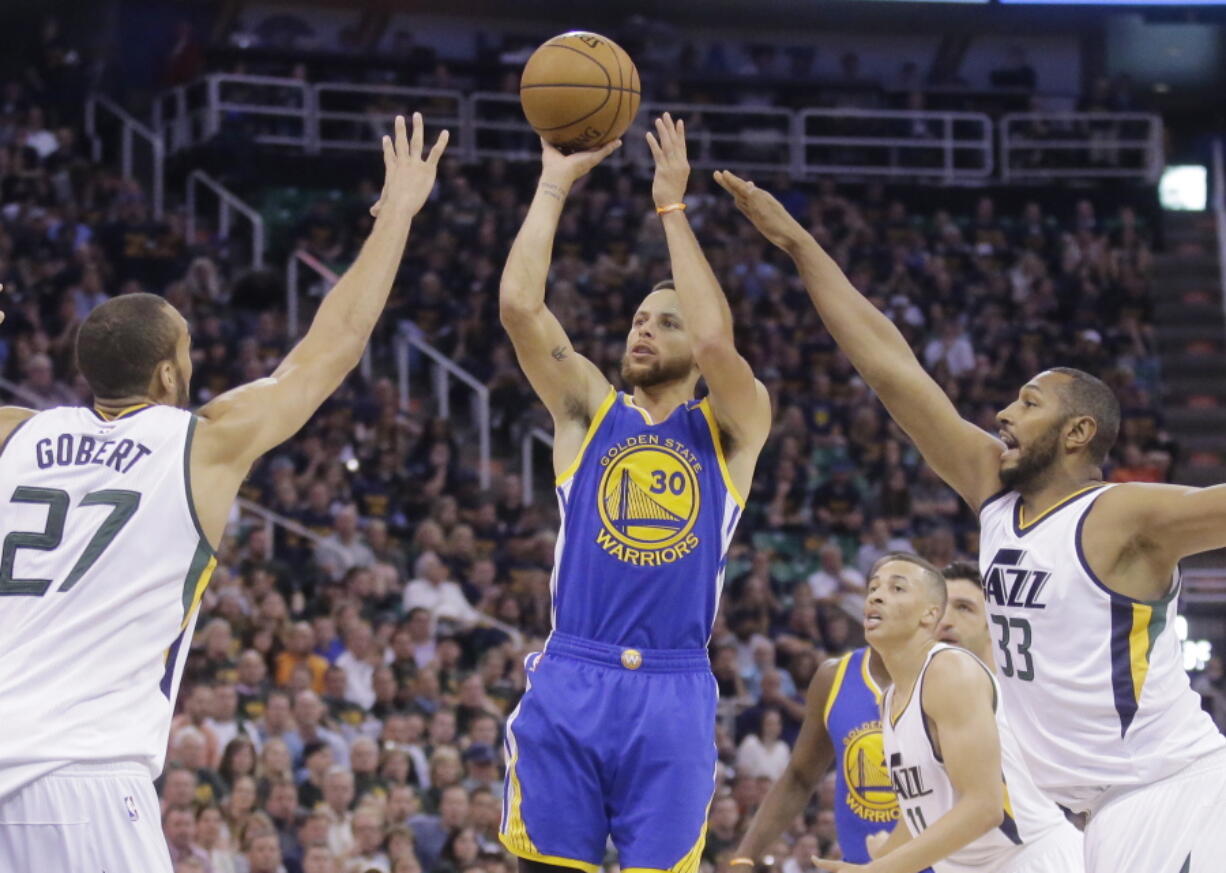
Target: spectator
x=179, y=826
x=367, y=844
x=299, y=649
x=433, y=591
x=343, y=549
x=338, y=799
x=764, y=755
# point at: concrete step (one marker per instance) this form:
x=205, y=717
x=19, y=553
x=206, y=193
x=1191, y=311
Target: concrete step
x=1201, y=475
x=1191, y=443
x=1167, y=266
x=1181, y=312
x=1190, y=420
x=1181, y=334
x=1175, y=365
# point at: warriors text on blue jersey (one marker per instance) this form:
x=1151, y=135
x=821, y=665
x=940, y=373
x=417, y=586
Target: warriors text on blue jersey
x=648, y=510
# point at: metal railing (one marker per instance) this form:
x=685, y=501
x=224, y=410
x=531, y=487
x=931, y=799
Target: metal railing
x=355, y=116
x=1219, y=210
x=921, y=145
x=272, y=520
x=228, y=203
x=950, y=146
x=292, y=296
x=1081, y=145
x=443, y=370
x=23, y=394
x=527, y=462
x=129, y=129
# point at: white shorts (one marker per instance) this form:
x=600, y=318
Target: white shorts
x=86, y=817
x=1176, y=825
x=1060, y=851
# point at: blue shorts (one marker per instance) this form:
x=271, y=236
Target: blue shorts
x=611, y=742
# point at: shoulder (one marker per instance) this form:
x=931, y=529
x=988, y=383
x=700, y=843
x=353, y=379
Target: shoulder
x=952, y=677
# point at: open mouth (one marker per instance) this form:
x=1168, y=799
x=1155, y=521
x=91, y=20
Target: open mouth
x=950, y=638
x=872, y=618
x=1008, y=439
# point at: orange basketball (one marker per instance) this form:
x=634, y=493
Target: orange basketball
x=579, y=91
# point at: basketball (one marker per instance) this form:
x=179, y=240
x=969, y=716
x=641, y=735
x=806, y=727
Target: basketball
x=579, y=91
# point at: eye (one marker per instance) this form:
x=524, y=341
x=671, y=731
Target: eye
x=1028, y=404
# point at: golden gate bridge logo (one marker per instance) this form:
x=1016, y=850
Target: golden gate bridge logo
x=648, y=497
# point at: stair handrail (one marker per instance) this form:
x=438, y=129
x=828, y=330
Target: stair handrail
x=527, y=462
x=24, y=393
x=227, y=201
x=1219, y=209
x=130, y=127
x=300, y=256
x=444, y=370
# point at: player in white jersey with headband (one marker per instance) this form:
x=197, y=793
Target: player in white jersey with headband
x=967, y=803
x=109, y=517
x=1080, y=579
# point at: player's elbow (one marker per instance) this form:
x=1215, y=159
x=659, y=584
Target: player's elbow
x=989, y=815
x=513, y=311
x=714, y=350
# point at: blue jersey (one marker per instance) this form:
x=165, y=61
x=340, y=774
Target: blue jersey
x=864, y=797
x=648, y=511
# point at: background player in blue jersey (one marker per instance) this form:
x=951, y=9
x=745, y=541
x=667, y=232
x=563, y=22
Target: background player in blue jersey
x=842, y=725
x=615, y=734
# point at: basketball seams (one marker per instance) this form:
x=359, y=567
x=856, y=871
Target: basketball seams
x=549, y=109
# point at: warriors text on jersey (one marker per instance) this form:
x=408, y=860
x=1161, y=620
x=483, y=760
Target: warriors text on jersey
x=101, y=575
x=925, y=792
x=864, y=798
x=648, y=511
x=1093, y=681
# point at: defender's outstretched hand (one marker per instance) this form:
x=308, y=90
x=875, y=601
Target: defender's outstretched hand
x=767, y=214
x=672, y=163
x=408, y=178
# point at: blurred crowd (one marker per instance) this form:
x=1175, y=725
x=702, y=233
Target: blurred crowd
x=345, y=702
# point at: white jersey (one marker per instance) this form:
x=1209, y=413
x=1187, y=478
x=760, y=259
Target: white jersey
x=101, y=573
x=1093, y=681
x=925, y=793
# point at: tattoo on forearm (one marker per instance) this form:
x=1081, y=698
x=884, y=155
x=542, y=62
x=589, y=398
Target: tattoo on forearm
x=559, y=353
x=557, y=192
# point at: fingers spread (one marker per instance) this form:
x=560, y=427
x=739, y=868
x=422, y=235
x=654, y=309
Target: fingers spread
x=402, y=138
x=653, y=146
x=419, y=137
x=389, y=154
x=440, y=146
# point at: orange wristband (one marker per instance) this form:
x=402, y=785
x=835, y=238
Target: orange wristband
x=745, y=862
x=672, y=207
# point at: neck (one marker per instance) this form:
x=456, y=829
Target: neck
x=661, y=400
x=113, y=406
x=905, y=660
x=1049, y=490
x=876, y=668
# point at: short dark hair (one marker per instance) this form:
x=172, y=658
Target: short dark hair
x=932, y=576
x=664, y=285
x=962, y=570
x=121, y=343
x=1083, y=394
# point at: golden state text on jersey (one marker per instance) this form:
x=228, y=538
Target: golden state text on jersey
x=648, y=510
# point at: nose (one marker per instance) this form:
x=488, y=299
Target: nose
x=1002, y=417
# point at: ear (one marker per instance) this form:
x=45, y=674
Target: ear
x=1079, y=432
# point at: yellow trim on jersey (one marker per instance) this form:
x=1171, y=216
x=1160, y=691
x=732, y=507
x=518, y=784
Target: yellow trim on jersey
x=835, y=686
x=121, y=413
x=1008, y=803
x=1021, y=510
x=1138, y=647
x=629, y=401
x=709, y=415
x=868, y=677
x=601, y=411
x=201, y=584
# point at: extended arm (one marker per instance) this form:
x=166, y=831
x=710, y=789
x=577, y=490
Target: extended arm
x=242, y=424
x=965, y=456
x=740, y=403
x=811, y=757
x=570, y=386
